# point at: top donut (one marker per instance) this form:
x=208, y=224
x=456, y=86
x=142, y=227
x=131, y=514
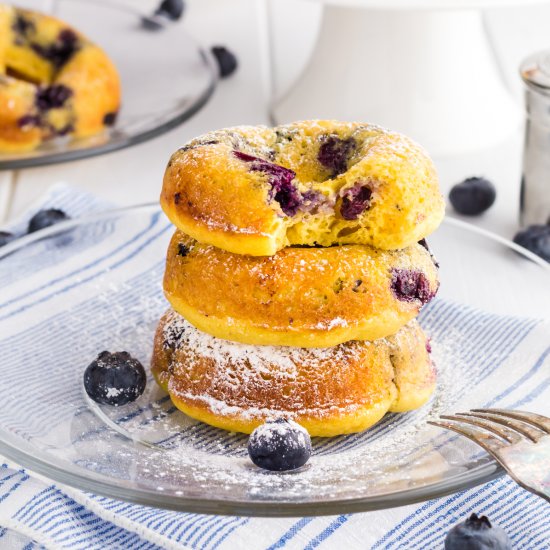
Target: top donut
x=254, y=190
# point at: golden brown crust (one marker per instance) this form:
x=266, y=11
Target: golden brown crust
x=306, y=297
x=224, y=188
x=329, y=391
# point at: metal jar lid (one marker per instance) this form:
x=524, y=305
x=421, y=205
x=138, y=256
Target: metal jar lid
x=535, y=71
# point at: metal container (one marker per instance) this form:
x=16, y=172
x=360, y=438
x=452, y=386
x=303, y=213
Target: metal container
x=535, y=183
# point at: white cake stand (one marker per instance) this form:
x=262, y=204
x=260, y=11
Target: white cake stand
x=424, y=67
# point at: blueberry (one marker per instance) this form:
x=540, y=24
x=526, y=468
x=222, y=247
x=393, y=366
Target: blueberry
x=6, y=237
x=45, y=218
x=279, y=445
x=52, y=97
x=535, y=238
x=409, y=285
x=182, y=250
x=334, y=153
x=22, y=25
x=355, y=201
x=110, y=118
x=171, y=9
x=61, y=50
x=227, y=62
x=283, y=190
x=477, y=533
x=472, y=196
x=114, y=378
x=29, y=121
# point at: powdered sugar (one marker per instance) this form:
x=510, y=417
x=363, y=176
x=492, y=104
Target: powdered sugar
x=178, y=330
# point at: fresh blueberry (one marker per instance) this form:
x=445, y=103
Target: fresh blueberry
x=472, y=196
x=279, y=445
x=334, y=153
x=114, y=378
x=535, y=238
x=283, y=190
x=355, y=201
x=227, y=62
x=45, y=218
x=409, y=285
x=477, y=533
x=6, y=237
x=110, y=118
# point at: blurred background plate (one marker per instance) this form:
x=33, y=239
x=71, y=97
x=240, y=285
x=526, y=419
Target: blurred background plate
x=166, y=78
x=80, y=287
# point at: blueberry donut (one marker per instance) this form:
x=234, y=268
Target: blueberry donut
x=53, y=81
x=300, y=296
x=329, y=391
x=254, y=190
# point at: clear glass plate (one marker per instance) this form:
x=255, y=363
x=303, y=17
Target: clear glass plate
x=166, y=78
x=75, y=289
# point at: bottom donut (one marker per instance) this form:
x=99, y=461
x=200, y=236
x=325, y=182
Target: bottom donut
x=329, y=391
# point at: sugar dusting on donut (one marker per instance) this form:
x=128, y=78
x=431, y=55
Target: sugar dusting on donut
x=237, y=375
x=178, y=331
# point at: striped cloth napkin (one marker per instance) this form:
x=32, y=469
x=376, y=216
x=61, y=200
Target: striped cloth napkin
x=34, y=513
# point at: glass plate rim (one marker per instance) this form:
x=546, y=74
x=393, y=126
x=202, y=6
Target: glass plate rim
x=140, y=137
x=277, y=508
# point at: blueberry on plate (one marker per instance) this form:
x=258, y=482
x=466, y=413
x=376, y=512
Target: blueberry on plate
x=6, y=237
x=227, y=62
x=114, y=378
x=535, y=238
x=472, y=196
x=45, y=218
x=477, y=533
x=279, y=445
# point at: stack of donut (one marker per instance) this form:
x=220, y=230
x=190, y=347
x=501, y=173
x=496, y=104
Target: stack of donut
x=295, y=275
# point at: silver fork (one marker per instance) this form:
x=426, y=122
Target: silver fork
x=519, y=441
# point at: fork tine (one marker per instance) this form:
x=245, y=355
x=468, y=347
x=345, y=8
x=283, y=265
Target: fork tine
x=489, y=442
x=537, y=420
x=527, y=430
x=502, y=431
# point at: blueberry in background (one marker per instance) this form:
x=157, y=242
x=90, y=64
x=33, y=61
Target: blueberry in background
x=472, y=196
x=279, y=445
x=168, y=10
x=114, y=378
x=227, y=62
x=477, y=533
x=6, y=237
x=535, y=238
x=171, y=9
x=46, y=218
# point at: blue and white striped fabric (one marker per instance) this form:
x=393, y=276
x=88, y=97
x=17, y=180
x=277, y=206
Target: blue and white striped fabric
x=35, y=514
